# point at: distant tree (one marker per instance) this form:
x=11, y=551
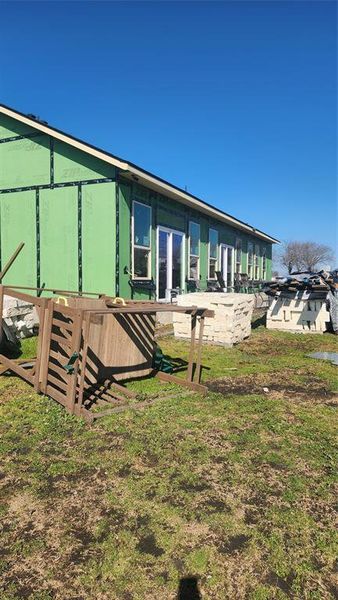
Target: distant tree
x=305, y=256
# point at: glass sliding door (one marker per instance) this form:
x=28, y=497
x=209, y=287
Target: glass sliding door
x=170, y=262
x=163, y=243
x=177, y=262
x=228, y=266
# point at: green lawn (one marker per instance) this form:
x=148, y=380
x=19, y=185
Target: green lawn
x=235, y=488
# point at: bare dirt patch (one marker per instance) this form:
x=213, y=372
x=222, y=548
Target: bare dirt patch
x=313, y=389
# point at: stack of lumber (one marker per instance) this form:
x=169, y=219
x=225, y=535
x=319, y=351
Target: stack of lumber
x=322, y=282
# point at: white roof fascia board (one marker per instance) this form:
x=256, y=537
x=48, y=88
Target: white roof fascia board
x=64, y=138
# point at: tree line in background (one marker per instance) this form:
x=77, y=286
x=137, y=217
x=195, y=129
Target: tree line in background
x=304, y=256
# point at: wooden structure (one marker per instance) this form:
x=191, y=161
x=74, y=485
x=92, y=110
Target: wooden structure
x=87, y=347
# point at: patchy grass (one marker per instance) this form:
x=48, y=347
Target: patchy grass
x=236, y=488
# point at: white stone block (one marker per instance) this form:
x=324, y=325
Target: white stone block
x=232, y=321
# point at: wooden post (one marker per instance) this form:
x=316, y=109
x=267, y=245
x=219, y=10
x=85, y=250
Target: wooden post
x=11, y=260
x=42, y=315
x=83, y=363
x=197, y=375
x=192, y=346
x=75, y=347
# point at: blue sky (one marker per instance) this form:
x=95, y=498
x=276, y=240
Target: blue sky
x=235, y=100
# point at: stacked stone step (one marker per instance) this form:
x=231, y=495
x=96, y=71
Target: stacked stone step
x=232, y=321
x=298, y=314
x=20, y=316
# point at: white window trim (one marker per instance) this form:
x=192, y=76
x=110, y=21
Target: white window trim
x=198, y=256
x=238, y=239
x=211, y=257
x=257, y=261
x=227, y=248
x=264, y=269
x=133, y=246
x=250, y=244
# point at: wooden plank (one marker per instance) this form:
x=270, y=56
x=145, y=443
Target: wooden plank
x=86, y=331
x=184, y=382
x=61, y=340
x=45, y=346
x=197, y=374
x=123, y=389
x=56, y=395
x=16, y=368
x=41, y=312
x=75, y=347
x=192, y=347
x=58, y=382
x=9, y=291
x=63, y=324
x=1, y=305
x=11, y=260
x=55, y=291
x=58, y=369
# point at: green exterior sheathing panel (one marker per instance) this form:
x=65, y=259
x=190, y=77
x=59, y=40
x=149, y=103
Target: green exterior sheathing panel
x=25, y=163
x=171, y=219
x=124, y=199
x=10, y=127
x=70, y=164
x=59, y=238
x=99, y=238
x=17, y=212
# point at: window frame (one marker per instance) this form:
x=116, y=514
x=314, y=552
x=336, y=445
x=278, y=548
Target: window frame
x=257, y=267
x=238, y=239
x=139, y=246
x=264, y=263
x=250, y=265
x=216, y=259
x=191, y=255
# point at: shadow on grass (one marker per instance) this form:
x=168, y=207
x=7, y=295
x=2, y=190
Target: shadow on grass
x=258, y=320
x=188, y=589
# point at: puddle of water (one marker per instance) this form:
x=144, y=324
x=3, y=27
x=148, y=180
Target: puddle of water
x=332, y=356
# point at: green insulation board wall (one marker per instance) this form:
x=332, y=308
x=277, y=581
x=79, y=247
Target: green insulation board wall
x=124, y=196
x=59, y=238
x=70, y=164
x=18, y=224
x=99, y=238
x=10, y=127
x=25, y=163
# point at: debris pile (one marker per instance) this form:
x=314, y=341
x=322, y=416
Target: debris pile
x=321, y=282
x=305, y=302
x=21, y=317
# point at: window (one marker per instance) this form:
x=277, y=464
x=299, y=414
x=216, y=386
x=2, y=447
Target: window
x=238, y=255
x=141, y=240
x=250, y=260
x=194, y=250
x=213, y=253
x=257, y=260
x=264, y=262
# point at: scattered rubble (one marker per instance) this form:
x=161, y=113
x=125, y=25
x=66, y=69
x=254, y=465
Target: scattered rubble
x=20, y=317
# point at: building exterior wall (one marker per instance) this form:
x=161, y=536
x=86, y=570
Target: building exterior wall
x=170, y=214
x=62, y=203
x=73, y=211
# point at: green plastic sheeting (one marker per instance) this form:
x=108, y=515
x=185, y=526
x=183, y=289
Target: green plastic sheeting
x=10, y=127
x=17, y=212
x=24, y=163
x=99, y=238
x=59, y=238
x=71, y=164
